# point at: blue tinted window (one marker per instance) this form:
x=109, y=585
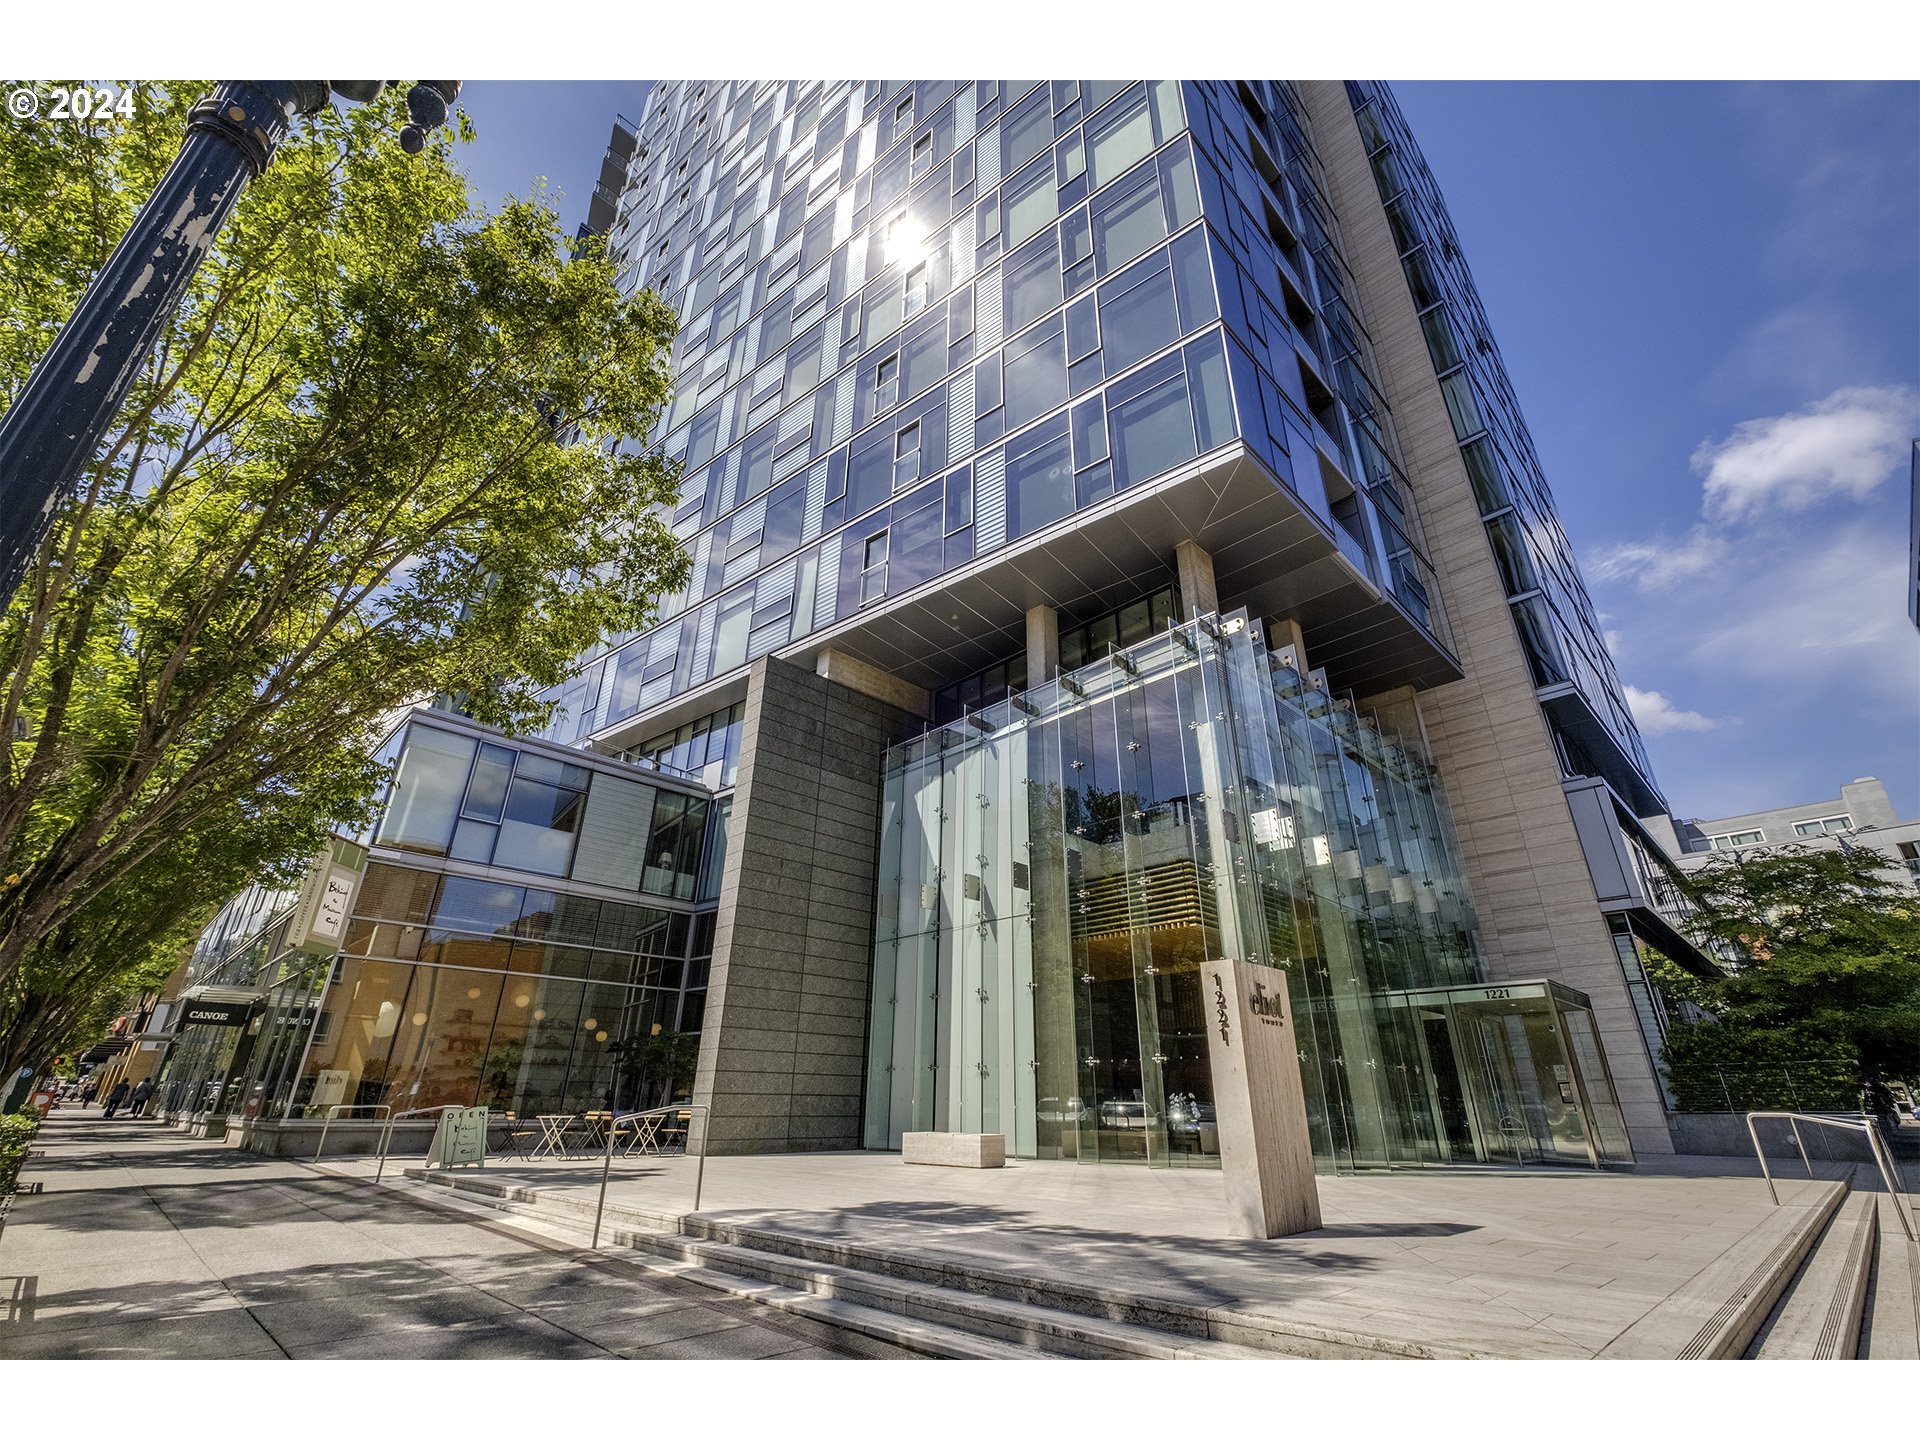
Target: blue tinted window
x=477, y=905
x=1026, y=132
x=1089, y=433
x=1083, y=329
x=1193, y=282
x=1127, y=219
x=960, y=498
x=1137, y=314
x=1152, y=430
x=1177, y=182
x=1039, y=478
x=915, y=548
x=1121, y=137
x=1036, y=374
x=1028, y=202
x=1032, y=280
x=786, y=515
x=1212, y=395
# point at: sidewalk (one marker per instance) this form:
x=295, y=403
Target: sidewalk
x=1535, y=1263
x=145, y=1245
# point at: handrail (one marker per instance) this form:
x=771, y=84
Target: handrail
x=606, y=1165
x=386, y=1135
x=333, y=1110
x=1882, y=1161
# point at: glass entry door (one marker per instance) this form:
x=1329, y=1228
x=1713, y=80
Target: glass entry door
x=1526, y=1099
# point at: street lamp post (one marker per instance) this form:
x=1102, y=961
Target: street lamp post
x=51, y=433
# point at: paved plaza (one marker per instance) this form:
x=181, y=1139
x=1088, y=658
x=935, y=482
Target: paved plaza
x=144, y=1245
x=1528, y=1263
x=141, y=1243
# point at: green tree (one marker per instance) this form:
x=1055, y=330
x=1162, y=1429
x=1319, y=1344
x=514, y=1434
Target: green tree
x=668, y=1056
x=1826, y=969
x=389, y=447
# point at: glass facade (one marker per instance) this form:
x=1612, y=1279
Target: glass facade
x=924, y=320
x=520, y=916
x=1551, y=609
x=1056, y=867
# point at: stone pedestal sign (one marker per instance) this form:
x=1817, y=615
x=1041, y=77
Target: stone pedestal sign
x=1264, y=1149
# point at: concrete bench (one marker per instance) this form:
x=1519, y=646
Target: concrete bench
x=938, y=1147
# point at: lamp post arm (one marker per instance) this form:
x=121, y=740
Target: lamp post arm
x=50, y=435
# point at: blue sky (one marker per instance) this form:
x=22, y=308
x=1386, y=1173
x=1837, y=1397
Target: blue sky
x=1708, y=297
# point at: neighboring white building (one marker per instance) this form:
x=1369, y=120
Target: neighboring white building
x=1860, y=817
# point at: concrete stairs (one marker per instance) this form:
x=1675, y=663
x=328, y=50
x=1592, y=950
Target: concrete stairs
x=1854, y=1295
x=1818, y=1316
x=1830, y=1276
x=920, y=1304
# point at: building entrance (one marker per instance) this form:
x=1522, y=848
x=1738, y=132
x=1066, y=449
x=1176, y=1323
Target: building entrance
x=1056, y=868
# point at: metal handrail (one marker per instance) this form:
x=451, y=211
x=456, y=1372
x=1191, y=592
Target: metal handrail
x=606, y=1165
x=386, y=1135
x=1882, y=1161
x=332, y=1111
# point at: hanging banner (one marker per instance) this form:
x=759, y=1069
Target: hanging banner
x=319, y=922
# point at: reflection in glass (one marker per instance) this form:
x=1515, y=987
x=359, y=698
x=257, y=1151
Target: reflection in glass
x=1056, y=869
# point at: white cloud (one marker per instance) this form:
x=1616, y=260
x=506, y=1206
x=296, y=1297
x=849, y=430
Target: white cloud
x=1846, y=444
x=1661, y=564
x=1655, y=714
x=1824, y=611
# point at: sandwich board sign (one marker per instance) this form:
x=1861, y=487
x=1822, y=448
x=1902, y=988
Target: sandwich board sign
x=460, y=1138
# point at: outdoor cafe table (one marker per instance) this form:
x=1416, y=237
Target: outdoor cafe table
x=553, y=1136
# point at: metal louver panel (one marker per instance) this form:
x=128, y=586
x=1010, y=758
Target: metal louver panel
x=786, y=464
x=988, y=322
x=986, y=160
x=960, y=414
x=828, y=588
x=703, y=642
x=750, y=519
x=843, y=409
x=990, y=500
x=702, y=553
x=816, y=502
x=960, y=249
x=776, y=585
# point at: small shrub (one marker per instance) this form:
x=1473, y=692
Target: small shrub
x=16, y=1134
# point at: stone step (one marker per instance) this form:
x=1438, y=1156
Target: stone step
x=1716, y=1314
x=927, y=1320
x=1029, y=1315
x=1890, y=1329
x=1027, y=1330
x=1818, y=1318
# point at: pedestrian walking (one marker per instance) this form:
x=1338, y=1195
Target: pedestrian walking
x=117, y=1097
x=143, y=1092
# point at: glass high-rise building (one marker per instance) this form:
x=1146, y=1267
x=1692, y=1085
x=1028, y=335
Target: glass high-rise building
x=1116, y=546
x=1015, y=419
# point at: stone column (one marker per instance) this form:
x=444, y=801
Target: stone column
x=1283, y=634
x=1043, y=644
x=1199, y=594
x=783, y=1043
